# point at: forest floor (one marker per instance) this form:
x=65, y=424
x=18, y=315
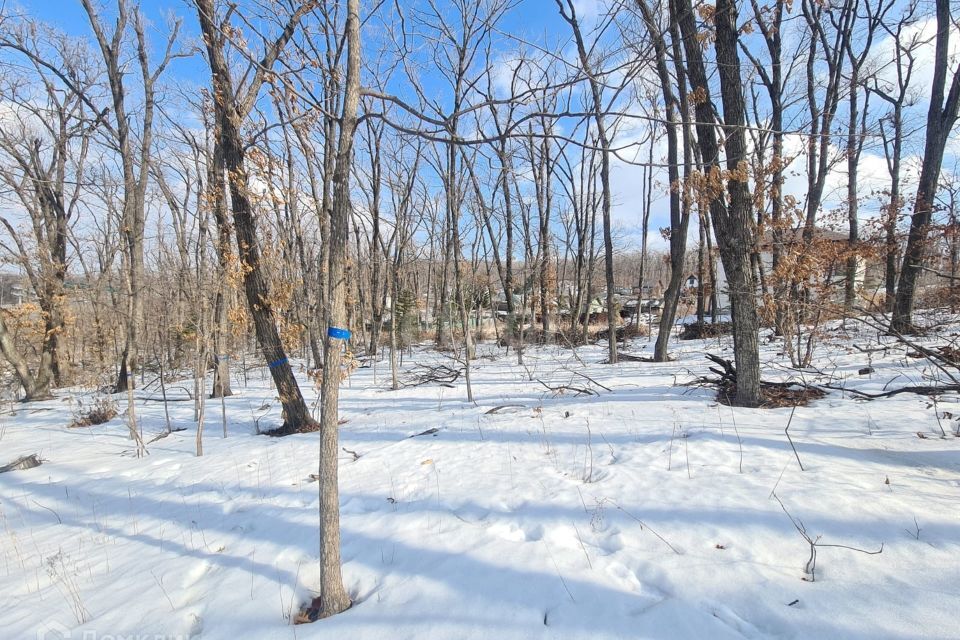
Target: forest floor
x=643, y=509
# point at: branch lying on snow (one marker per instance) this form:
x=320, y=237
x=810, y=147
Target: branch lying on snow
x=429, y=432
x=164, y=434
x=777, y=394
x=728, y=375
x=22, y=463
x=942, y=357
x=59, y=521
x=583, y=375
x=918, y=389
x=580, y=391
x=504, y=407
x=792, y=446
x=883, y=348
x=440, y=374
x=161, y=399
x=629, y=357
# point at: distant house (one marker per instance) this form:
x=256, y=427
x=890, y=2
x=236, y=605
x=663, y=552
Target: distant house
x=14, y=290
x=792, y=239
x=647, y=305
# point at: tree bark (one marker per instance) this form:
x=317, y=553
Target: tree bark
x=732, y=222
x=221, y=358
x=334, y=598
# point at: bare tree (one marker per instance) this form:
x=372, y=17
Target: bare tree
x=856, y=134
x=830, y=29
x=233, y=103
x=941, y=117
x=674, y=108
x=334, y=598
x=732, y=221
x=774, y=75
x=134, y=148
x=44, y=145
x=569, y=13
x=892, y=133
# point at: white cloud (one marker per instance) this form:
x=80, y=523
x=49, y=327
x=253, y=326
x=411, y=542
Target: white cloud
x=921, y=38
x=588, y=10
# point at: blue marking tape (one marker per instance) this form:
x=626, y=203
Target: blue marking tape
x=277, y=363
x=338, y=334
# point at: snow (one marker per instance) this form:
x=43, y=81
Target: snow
x=646, y=511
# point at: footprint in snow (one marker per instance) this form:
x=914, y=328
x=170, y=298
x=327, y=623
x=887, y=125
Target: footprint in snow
x=515, y=533
x=611, y=543
x=472, y=515
x=359, y=506
x=564, y=537
x=727, y=616
x=632, y=580
x=194, y=625
x=595, y=475
x=195, y=574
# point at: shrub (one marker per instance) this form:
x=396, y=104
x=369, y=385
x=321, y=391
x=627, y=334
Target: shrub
x=699, y=331
x=102, y=409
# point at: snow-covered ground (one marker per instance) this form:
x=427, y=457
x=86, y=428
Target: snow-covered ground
x=646, y=510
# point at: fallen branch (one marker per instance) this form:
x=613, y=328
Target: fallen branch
x=440, y=374
x=918, y=389
x=728, y=372
x=22, y=463
x=165, y=434
x=585, y=376
x=883, y=348
x=629, y=357
x=59, y=521
x=942, y=357
x=428, y=432
x=504, y=407
x=580, y=391
x=775, y=394
x=161, y=399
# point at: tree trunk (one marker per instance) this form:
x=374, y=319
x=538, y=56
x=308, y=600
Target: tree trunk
x=34, y=387
x=334, y=598
x=853, y=160
x=940, y=120
x=732, y=222
x=221, y=357
x=679, y=207
x=229, y=117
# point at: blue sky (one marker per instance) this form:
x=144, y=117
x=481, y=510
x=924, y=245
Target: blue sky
x=528, y=17
x=69, y=16
x=536, y=20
